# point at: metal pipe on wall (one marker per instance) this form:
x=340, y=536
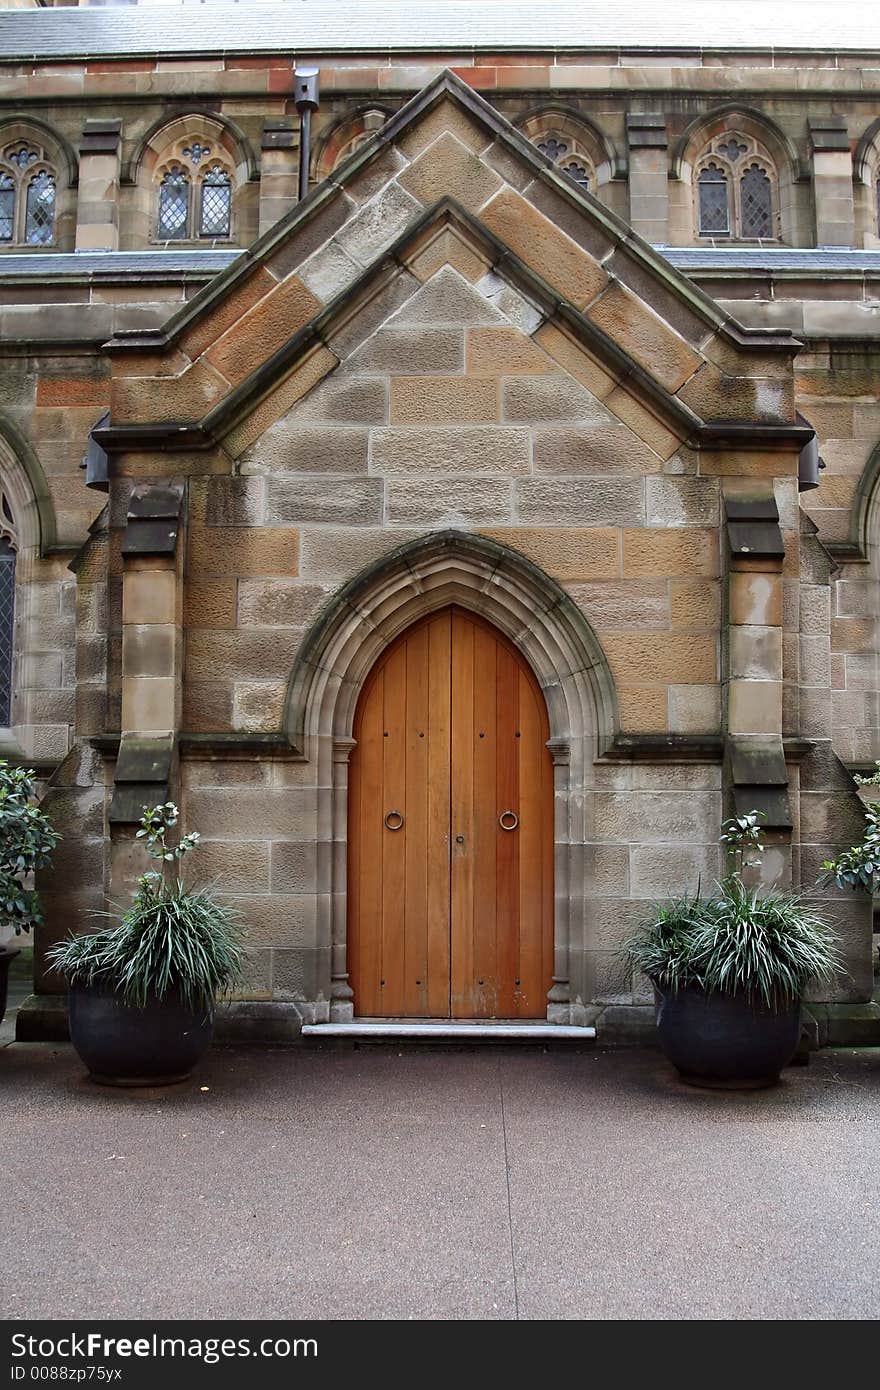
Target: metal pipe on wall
x=305, y=86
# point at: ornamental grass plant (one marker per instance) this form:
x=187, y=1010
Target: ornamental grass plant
x=765, y=943
x=171, y=938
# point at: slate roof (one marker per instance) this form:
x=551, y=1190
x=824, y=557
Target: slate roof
x=449, y=26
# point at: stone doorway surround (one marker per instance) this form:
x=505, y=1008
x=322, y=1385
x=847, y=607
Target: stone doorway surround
x=446, y=568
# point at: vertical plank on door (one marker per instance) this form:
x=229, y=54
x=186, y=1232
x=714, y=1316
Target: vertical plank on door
x=506, y=791
x=462, y=819
x=437, y=859
x=394, y=842
x=485, y=1001
x=415, y=828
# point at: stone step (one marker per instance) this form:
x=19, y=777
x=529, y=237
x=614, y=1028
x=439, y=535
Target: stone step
x=449, y=1030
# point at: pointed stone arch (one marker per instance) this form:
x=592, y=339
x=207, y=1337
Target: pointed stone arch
x=542, y=621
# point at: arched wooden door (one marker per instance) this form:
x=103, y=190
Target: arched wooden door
x=450, y=868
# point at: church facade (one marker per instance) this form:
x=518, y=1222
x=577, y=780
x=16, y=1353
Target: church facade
x=459, y=543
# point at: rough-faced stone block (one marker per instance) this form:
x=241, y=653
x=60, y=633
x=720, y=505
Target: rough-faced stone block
x=289, y=447
x=340, y=501
x=294, y=866
x=570, y=554
x=148, y=704
x=644, y=422
x=755, y=653
x=622, y=604
x=576, y=360
x=459, y=502
x=666, y=871
x=580, y=501
x=654, y=657
x=694, y=709
x=503, y=352
x=573, y=273
x=265, y=329
x=186, y=397
x=644, y=336
x=447, y=299
x=412, y=350
x=695, y=603
x=379, y=223
x=714, y=396
x=470, y=449
x=534, y=399
x=329, y=271
x=240, y=866
x=649, y=553
x=447, y=115
x=258, y=706
x=675, y=501
x=225, y=312
x=233, y=501
x=590, y=449
x=336, y=553
x=209, y=603
x=243, y=654
x=279, y=602
x=446, y=247
x=345, y=398
x=443, y=400
x=269, y=813
x=662, y=817
x=450, y=169
x=312, y=369
x=242, y=551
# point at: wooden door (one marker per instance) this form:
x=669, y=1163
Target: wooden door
x=450, y=868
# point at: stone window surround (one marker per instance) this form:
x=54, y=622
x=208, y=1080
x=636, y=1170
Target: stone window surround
x=545, y=625
x=164, y=147
x=25, y=540
x=345, y=136
x=585, y=144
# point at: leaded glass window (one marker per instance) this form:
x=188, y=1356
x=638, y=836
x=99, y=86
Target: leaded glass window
x=577, y=171
x=567, y=155
x=216, y=203
x=757, y=203
x=7, y=207
x=173, y=218
x=714, y=202
x=7, y=628
x=736, y=192
x=40, y=214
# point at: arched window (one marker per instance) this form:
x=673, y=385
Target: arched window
x=736, y=187
x=8, y=549
x=27, y=196
x=568, y=156
x=195, y=197
x=343, y=138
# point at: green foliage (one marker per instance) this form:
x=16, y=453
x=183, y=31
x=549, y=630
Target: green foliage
x=762, y=942
x=859, y=866
x=27, y=842
x=170, y=938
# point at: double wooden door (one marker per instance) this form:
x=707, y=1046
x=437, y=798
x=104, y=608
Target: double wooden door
x=450, y=868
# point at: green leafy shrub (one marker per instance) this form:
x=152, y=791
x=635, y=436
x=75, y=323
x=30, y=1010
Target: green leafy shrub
x=27, y=842
x=762, y=942
x=170, y=938
x=859, y=866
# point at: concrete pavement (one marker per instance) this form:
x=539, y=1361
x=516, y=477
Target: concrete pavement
x=434, y=1184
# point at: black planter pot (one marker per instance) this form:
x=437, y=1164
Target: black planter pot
x=726, y=1041
x=125, y=1046
x=7, y=956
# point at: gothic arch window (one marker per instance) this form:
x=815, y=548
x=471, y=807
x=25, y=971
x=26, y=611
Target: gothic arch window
x=28, y=195
x=194, y=185
x=737, y=190
x=8, y=551
x=573, y=145
x=344, y=138
x=568, y=155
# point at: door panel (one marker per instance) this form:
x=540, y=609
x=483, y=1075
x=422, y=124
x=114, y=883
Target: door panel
x=450, y=914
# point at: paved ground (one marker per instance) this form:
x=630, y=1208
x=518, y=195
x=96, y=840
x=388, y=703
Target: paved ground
x=462, y=1184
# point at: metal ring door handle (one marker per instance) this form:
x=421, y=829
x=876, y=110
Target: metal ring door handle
x=396, y=817
x=510, y=816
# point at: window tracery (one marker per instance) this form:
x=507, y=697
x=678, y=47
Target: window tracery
x=28, y=195
x=736, y=190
